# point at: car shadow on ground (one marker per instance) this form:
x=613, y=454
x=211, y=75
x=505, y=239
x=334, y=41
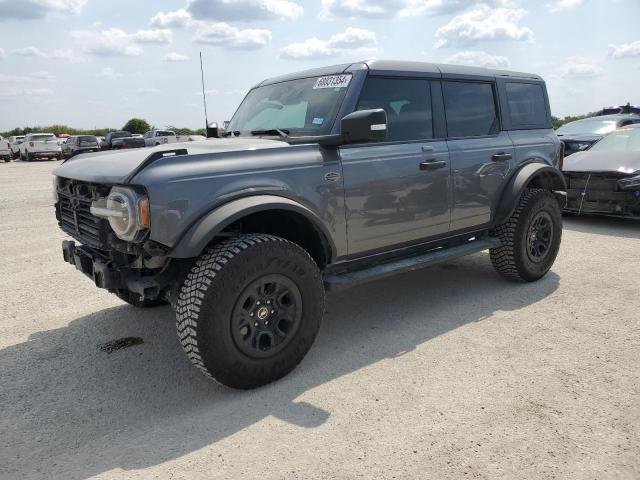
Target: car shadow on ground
x=600, y=225
x=72, y=411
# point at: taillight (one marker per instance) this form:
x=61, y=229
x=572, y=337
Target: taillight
x=561, y=156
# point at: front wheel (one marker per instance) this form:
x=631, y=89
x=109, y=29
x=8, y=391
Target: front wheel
x=530, y=237
x=250, y=309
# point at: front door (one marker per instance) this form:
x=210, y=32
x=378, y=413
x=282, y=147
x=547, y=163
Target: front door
x=398, y=191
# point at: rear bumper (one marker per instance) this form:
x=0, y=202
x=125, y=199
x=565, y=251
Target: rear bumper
x=107, y=275
x=44, y=154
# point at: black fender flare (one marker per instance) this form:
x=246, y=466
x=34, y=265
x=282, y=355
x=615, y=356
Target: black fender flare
x=543, y=174
x=200, y=234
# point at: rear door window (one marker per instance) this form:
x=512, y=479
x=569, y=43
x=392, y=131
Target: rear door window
x=527, y=105
x=470, y=108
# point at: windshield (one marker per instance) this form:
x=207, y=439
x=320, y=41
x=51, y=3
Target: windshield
x=41, y=138
x=623, y=140
x=87, y=141
x=589, y=126
x=305, y=106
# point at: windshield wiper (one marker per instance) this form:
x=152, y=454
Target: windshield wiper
x=271, y=131
x=234, y=133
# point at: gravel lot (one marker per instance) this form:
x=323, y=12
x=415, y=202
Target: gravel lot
x=444, y=373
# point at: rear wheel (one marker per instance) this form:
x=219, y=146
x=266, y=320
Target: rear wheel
x=530, y=237
x=250, y=309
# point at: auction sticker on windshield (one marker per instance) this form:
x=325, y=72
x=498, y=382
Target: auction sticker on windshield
x=333, y=81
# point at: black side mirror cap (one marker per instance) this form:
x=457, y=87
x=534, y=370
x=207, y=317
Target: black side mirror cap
x=364, y=126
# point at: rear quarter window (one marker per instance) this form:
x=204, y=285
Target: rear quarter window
x=527, y=105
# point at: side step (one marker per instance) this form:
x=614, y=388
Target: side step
x=346, y=279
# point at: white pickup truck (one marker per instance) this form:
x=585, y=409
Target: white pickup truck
x=159, y=137
x=5, y=149
x=40, y=145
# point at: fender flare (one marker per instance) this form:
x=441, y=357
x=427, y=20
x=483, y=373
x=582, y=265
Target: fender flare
x=200, y=234
x=550, y=176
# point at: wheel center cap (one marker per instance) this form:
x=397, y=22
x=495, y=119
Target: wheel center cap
x=263, y=312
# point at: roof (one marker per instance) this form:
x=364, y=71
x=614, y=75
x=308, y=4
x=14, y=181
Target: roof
x=402, y=66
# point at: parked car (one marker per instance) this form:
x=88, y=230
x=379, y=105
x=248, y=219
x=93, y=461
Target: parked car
x=5, y=149
x=159, y=137
x=15, y=142
x=326, y=179
x=120, y=140
x=581, y=134
x=40, y=145
x=80, y=144
x=605, y=179
x=628, y=108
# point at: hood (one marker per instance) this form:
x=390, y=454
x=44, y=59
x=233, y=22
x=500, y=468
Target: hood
x=594, y=161
x=114, y=167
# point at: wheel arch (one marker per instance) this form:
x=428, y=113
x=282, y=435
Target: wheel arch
x=268, y=214
x=535, y=174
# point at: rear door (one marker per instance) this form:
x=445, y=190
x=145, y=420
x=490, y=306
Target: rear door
x=481, y=154
x=397, y=191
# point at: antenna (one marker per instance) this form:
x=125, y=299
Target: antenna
x=204, y=99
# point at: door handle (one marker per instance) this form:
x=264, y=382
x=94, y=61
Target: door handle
x=427, y=148
x=501, y=157
x=432, y=164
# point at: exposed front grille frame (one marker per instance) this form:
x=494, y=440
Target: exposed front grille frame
x=74, y=214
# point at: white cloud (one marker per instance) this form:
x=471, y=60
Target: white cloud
x=479, y=59
x=223, y=34
x=243, y=10
x=158, y=37
x=175, y=57
x=177, y=19
x=43, y=76
x=211, y=91
x=67, y=56
x=562, y=5
x=37, y=9
x=352, y=40
x=3, y=54
x=28, y=92
x=625, y=50
x=385, y=9
x=117, y=42
x=108, y=72
x=483, y=24
x=581, y=67
x=29, y=52
x=148, y=90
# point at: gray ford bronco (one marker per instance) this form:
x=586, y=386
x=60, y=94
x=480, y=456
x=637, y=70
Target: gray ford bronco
x=323, y=179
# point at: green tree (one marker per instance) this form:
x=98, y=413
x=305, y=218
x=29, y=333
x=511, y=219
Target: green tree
x=137, y=125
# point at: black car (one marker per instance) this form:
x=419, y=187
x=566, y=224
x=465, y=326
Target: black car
x=581, y=134
x=606, y=179
x=121, y=139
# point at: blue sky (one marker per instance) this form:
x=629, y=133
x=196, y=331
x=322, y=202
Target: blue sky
x=90, y=63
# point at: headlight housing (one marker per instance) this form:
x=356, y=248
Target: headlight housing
x=127, y=212
x=630, y=183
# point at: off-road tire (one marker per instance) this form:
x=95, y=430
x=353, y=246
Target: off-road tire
x=134, y=299
x=511, y=259
x=213, y=291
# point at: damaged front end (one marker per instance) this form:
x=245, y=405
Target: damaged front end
x=110, y=224
x=603, y=193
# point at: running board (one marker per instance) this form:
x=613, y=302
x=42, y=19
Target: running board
x=342, y=280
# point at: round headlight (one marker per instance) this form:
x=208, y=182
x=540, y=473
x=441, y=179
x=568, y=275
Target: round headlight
x=127, y=212
x=123, y=219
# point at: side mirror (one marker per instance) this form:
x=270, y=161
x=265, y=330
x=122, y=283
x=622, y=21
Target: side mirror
x=364, y=126
x=212, y=131
x=225, y=124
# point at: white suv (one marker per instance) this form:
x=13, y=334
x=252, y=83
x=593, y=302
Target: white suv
x=40, y=145
x=5, y=149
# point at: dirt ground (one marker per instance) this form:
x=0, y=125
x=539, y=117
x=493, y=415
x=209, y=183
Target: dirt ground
x=449, y=372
